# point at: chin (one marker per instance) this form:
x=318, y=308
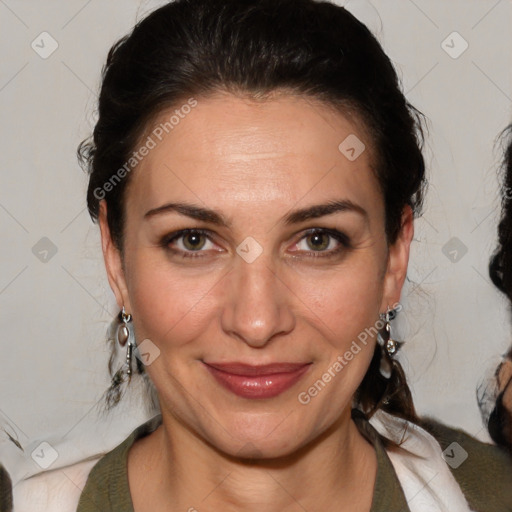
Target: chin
x=265, y=449
x=260, y=436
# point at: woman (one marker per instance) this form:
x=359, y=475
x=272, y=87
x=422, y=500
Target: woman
x=233, y=137
x=499, y=421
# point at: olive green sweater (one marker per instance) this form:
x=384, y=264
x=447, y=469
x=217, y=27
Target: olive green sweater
x=486, y=482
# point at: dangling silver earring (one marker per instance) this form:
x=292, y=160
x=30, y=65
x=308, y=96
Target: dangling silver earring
x=123, y=375
x=123, y=336
x=123, y=332
x=389, y=346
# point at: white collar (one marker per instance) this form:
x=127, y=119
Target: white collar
x=424, y=475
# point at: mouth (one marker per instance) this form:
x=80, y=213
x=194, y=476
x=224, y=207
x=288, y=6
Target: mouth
x=257, y=381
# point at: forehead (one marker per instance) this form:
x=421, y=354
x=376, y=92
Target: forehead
x=234, y=151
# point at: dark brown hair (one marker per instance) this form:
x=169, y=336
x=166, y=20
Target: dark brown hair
x=5, y=490
x=500, y=270
x=500, y=266
x=193, y=48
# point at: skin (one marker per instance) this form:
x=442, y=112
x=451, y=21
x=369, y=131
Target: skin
x=505, y=386
x=255, y=162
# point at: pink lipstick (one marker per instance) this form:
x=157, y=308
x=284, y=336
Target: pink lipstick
x=262, y=381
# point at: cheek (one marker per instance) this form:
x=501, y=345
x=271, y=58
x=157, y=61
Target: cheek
x=345, y=301
x=344, y=307
x=168, y=307
x=347, y=315
x=175, y=306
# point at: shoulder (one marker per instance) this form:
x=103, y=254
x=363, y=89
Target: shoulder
x=65, y=489
x=483, y=471
x=107, y=485
x=53, y=491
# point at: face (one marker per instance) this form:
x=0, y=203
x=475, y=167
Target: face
x=504, y=378
x=268, y=288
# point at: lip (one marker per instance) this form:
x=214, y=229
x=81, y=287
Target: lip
x=257, y=381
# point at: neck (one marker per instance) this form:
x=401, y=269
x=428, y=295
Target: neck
x=335, y=472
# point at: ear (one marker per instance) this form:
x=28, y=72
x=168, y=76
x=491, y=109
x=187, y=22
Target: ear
x=113, y=261
x=398, y=259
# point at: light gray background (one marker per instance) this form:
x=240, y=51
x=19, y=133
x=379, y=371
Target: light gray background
x=54, y=314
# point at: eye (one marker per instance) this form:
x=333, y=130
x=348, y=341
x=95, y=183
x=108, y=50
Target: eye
x=187, y=242
x=190, y=243
x=326, y=242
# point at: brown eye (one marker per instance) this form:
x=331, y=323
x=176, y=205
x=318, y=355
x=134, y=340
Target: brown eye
x=319, y=241
x=188, y=243
x=194, y=241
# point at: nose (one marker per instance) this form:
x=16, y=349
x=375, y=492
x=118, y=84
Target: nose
x=258, y=303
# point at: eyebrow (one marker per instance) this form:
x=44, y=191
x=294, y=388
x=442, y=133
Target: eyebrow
x=294, y=217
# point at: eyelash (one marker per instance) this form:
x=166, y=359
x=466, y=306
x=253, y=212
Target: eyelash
x=340, y=237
